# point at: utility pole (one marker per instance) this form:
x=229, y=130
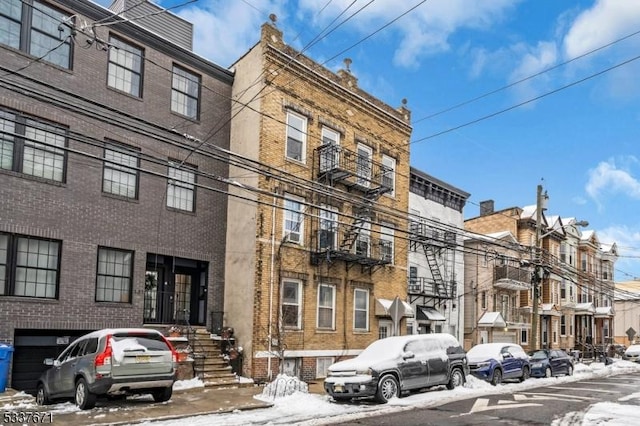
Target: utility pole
x=536, y=277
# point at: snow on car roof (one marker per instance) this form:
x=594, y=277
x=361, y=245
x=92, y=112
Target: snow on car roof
x=108, y=331
x=395, y=344
x=487, y=350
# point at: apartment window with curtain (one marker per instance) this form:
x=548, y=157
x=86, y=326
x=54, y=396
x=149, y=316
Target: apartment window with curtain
x=326, y=306
x=181, y=189
x=120, y=173
x=292, y=304
x=32, y=147
x=124, y=71
x=29, y=267
x=37, y=29
x=114, y=275
x=185, y=93
x=361, y=309
x=330, y=156
x=296, y=137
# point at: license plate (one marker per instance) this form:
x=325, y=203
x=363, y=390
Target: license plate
x=143, y=358
x=338, y=388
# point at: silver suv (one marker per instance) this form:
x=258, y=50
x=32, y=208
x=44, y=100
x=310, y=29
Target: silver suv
x=111, y=362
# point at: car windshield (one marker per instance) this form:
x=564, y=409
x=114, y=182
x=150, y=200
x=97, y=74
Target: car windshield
x=539, y=355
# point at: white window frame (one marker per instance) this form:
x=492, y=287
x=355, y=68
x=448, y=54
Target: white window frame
x=322, y=366
x=363, y=171
x=293, y=220
x=385, y=329
x=328, y=217
x=363, y=237
x=361, y=292
x=297, y=303
x=181, y=189
x=330, y=159
x=390, y=162
x=332, y=306
x=387, y=233
x=294, y=133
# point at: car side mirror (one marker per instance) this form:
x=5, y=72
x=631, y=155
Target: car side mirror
x=48, y=361
x=507, y=355
x=408, y=355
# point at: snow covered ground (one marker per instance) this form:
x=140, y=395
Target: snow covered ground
x=313, y=409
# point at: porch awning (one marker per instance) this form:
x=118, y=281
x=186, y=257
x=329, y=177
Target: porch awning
x=425, y=313
x=550, y=309
x=604, y=312
x=584, y=309
x=492, y=319
x=383, y=305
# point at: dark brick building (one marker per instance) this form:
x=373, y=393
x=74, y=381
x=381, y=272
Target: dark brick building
x=112, y=213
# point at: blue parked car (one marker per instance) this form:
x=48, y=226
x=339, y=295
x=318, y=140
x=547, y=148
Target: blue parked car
x=550, y=362
x=495, y=362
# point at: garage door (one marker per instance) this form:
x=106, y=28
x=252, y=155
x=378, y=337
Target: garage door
x=31, y=347
x=502, y=337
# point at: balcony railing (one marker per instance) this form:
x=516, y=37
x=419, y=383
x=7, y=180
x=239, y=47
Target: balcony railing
x=341, y=243
x=429, y=287
x=422, y=232
x=337, y=164
x=511, y=277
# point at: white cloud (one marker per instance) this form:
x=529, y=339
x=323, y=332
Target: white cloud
x=606, y=21
x=610, y=178
x=628, y=243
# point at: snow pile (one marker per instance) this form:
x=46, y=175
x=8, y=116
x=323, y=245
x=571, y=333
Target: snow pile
x=282, y=386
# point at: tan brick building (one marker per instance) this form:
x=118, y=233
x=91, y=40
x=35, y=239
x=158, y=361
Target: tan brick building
x=317, y=227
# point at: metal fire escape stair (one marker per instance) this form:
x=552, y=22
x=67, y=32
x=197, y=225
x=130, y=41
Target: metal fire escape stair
x=362, y=214
x=432, y=260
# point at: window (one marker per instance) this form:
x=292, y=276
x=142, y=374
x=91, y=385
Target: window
x=32, y=147
x=362, y=246
x=524, y=336
x=361, y=309
x=291, y=304
x=483, y=298
x=296, y=137
x=29, y=267
x=125, y=67
x=386, y=242
x=327, y=237
x=326, y=306
x=322, y=366
x=113, y=281
x=293, y=220
x=185, y=93
x=363, y=165
x=120, y=174
x=563, y=325
x=389, y=173
x=181, y=188
x=330, y=154
x=37, y=29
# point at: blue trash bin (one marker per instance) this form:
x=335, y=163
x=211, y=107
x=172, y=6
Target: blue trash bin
x=5, y=361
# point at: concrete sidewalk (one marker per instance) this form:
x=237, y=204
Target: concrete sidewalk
x=138, y=409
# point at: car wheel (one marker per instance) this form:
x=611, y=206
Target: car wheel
x=570, y=370
x=496, y=379
x=456, y=379
x=525, y=374
x=42, y=398
x=85, y=400
x=387, y=388
x=162, y=395
x=547, y=372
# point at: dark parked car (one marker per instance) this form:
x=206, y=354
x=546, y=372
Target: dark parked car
x=390, y=366
x=110, y=363
x=550, y=362
x=495, y=362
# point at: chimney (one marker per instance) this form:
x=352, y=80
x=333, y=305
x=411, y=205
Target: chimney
x=486, y=207
x=349, y=80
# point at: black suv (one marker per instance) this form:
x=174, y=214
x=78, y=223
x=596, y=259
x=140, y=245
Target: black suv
x=390, y=366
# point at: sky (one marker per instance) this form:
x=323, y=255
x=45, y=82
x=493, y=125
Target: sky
x=311, y=409
x=505, y=95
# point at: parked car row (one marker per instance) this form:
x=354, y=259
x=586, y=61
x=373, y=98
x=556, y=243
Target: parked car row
x=393, y=366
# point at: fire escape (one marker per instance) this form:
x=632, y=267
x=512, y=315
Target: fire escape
x=435, y=243
x=350, y=240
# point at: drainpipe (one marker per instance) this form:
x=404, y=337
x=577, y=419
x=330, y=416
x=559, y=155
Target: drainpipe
x=273, y=248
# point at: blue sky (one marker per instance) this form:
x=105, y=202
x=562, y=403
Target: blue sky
x=573, y=129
